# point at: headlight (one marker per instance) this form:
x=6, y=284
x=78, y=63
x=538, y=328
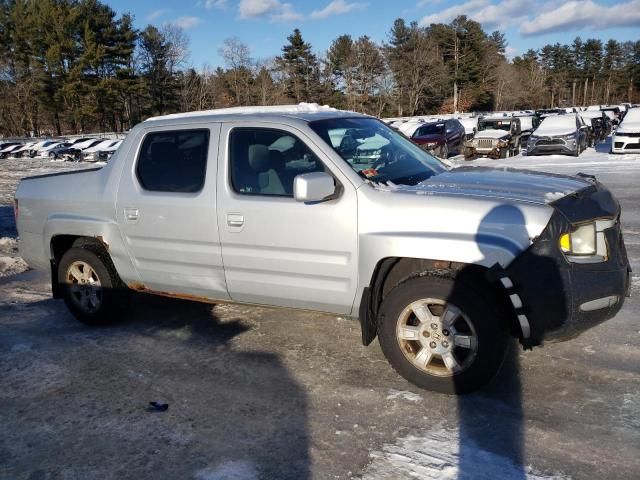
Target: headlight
x=582, y=241
x=586, y=243
x=571, y=136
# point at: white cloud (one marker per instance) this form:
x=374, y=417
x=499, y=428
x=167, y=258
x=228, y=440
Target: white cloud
x=273, y=9
x=575, y=15
x=156, y=14
x=510, y=52
x=543, y=17
x=337, y=7
x=448, y=14
x=186, y=22
x=215, y=4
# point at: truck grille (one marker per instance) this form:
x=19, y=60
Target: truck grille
x=634, y=134
x=485, y=143
x=632, y=146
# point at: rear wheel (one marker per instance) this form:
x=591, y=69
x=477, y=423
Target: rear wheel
x=91, y=287
x=442, y=335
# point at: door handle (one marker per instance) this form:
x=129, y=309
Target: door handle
x=235, y=220
x=131, y=214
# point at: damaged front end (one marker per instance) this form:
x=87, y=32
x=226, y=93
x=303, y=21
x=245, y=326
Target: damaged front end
x=562, y=285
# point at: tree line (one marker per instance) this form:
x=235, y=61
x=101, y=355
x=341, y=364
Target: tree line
x=76, y=66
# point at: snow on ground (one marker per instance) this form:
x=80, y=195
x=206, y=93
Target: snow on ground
x=436, y=456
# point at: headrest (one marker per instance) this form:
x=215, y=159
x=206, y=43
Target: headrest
x=258, y=158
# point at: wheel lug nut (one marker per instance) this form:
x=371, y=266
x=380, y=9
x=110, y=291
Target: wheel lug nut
x=432, y=344
x=445, y=344
x=434, y=326
x=445, y=333
x=426, y=334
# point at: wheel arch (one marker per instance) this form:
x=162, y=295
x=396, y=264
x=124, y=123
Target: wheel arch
x=392, y=271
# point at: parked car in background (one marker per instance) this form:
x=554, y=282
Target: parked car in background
x=558, y=134
x=626, y=138
x=54, y=153
x=470, y=125
x=441, y=137
x=36, y=147
x=599, y=125
x=74, y=152
x=23, y=151
x=105, y=154
x=528, y=123
x=496, y=138
x=613, y=112
x=90, y=154
x=8, y=151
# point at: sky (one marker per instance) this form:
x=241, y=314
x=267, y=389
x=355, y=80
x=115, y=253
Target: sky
x=265, y=24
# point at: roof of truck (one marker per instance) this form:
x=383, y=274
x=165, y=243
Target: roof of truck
x=303, y=111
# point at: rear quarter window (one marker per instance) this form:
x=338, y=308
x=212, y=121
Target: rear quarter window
x=173, y=161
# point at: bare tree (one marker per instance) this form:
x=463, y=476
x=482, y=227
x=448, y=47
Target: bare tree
x=237, y=59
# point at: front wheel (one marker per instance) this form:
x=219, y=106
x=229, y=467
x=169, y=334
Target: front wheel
x=442, y=334
x=91, y=287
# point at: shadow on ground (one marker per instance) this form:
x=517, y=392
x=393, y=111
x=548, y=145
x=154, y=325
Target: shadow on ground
x=69, y=411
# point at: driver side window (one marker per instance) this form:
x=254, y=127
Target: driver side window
x=265, y=161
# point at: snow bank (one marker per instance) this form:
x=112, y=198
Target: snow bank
x=10, y=262
x=436, y=456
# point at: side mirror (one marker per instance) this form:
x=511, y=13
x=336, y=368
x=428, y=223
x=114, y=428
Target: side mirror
x=313, y=187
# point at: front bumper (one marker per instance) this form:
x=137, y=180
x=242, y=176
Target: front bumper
x=625, y=144
x=562, y=299
x=552, y=149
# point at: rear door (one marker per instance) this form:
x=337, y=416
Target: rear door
x=166, y=209
x=276, y=250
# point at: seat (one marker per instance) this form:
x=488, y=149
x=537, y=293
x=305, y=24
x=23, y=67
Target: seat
x=260, y=161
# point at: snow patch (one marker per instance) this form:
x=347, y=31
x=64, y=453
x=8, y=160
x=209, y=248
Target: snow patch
x=553, y=196
x=12, y=266
x=405, y=395
x=300, y=108
x=233, y=470
x=491, y=133
x=436, y=456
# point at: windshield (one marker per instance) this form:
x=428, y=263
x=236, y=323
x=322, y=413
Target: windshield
x=376, y=152
x=430, y=129
x=495, y=125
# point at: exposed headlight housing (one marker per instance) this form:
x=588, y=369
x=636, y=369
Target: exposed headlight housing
x=586, y=243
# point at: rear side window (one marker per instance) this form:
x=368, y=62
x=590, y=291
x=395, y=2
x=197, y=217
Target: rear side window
x=173, y=161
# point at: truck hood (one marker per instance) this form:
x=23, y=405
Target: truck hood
x=492, y=133
x=500, y=184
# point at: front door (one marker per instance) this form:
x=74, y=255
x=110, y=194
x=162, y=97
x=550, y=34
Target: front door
x=166, y=206
x=278, y=251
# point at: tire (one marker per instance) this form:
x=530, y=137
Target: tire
x=444, y=152
x=90, y=285
x=503, y=153
x=471, y=312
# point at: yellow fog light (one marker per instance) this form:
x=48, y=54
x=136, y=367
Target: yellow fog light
x=565, y=242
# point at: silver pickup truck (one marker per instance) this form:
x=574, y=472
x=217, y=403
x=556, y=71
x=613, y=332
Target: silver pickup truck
x=312, y=208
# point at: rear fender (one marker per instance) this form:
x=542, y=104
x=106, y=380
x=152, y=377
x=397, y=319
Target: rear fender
x=104, y=231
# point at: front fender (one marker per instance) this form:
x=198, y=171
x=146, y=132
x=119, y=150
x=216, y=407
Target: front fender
x=484, y=249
